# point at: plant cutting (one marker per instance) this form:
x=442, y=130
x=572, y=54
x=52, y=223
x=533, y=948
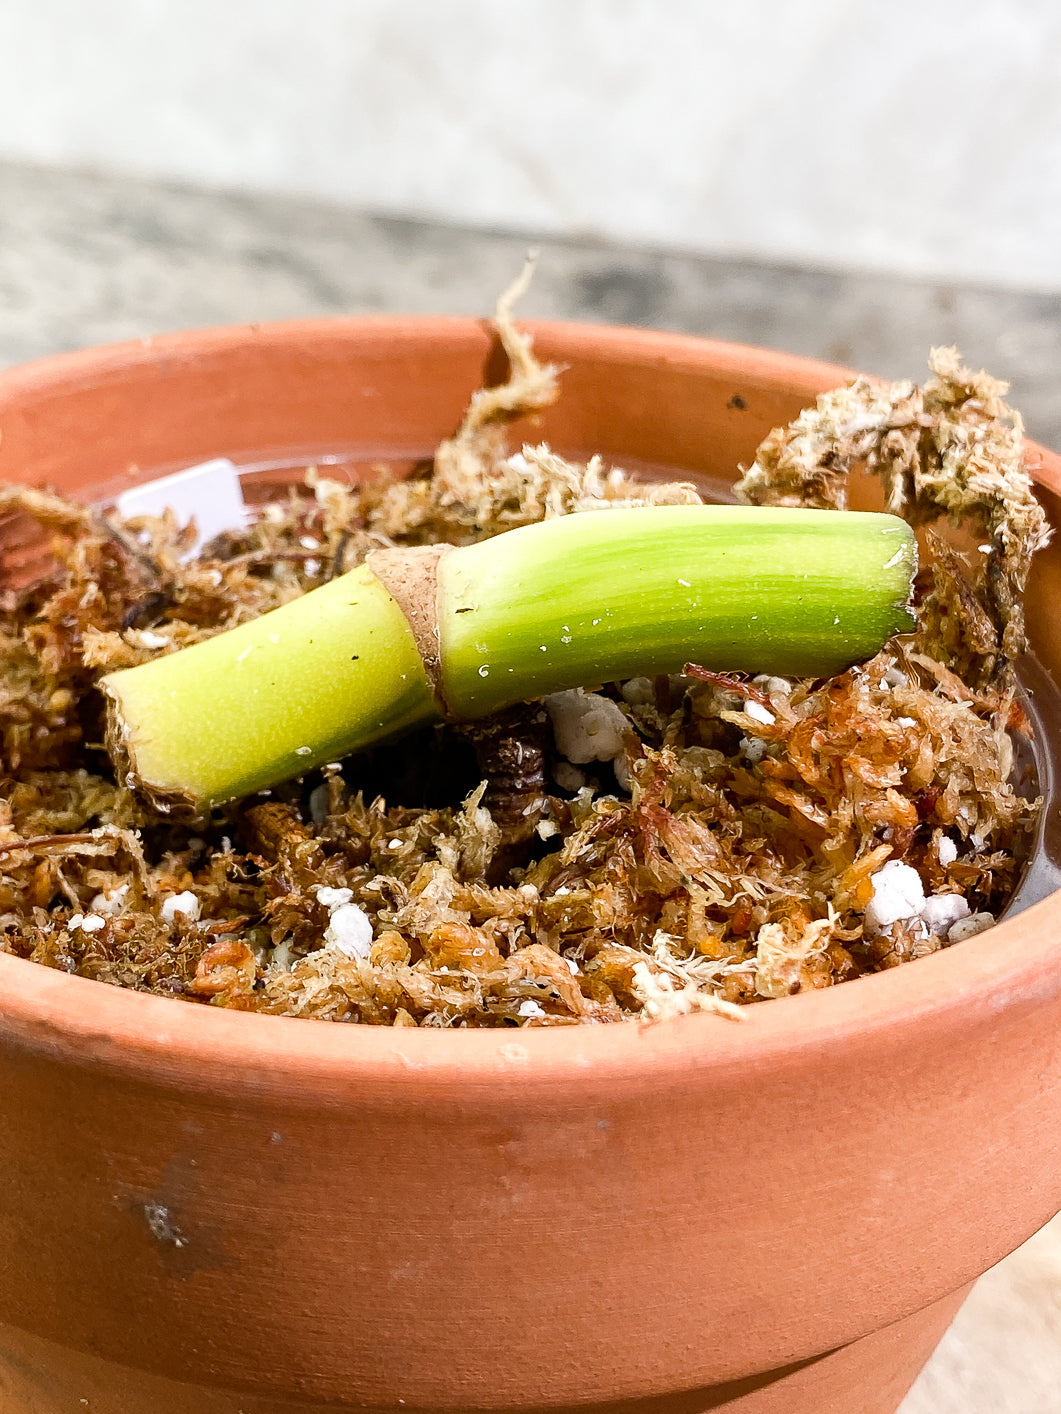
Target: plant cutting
x=578, y=1199
x=422, y=634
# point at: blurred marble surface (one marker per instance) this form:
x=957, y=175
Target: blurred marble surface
x=903, y=137
x=86, y=259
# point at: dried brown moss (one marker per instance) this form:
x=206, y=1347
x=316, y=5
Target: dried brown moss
x=952, y=449
x=725, y=856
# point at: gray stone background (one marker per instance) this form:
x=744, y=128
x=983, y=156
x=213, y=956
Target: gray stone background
x=86, y=259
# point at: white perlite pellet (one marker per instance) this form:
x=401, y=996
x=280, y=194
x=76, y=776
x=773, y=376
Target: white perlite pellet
x=332, y=898
x=969, y=927
x=86, y=922
x=758, y=713
x=349, y=930
x=898, y=894
x=187, y=904
x=942, y=911
x=112, y=902
x=947, y=850
x=586, y=726
x=899, y=897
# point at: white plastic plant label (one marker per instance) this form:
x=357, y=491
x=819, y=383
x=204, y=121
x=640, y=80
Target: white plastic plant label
x=210, y=494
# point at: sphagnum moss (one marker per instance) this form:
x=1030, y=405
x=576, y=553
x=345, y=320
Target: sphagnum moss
x=707, y=840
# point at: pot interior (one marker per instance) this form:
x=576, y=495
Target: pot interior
x=352, y=397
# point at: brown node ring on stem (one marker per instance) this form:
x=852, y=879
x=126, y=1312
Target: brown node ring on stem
x=410, y=577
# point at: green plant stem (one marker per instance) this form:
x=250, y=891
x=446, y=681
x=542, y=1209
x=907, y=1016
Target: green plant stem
x=570, y=602
x=609, y=595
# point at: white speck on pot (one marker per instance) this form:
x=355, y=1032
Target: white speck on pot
x=350, y=931
x=684, y=583
x=898, y=895
x=186, y=904
x=303, y=750
x=160, y=1221
x=759, y=713
x=484, y=671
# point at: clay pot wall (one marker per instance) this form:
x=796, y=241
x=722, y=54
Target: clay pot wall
x=213, y=1212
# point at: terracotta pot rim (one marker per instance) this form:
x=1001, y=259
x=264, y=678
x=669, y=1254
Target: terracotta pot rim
x=385, y=328
x=1011, y=967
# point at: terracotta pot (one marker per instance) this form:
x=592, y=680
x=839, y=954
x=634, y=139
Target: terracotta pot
x=205, y=1212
